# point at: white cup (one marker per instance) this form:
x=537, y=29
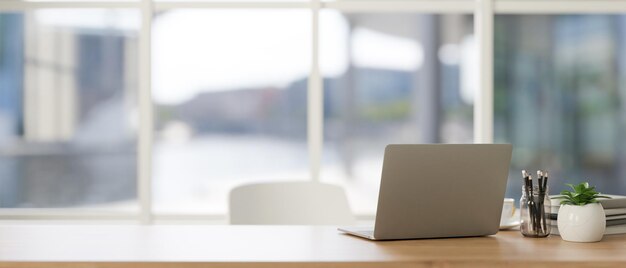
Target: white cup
x=508, y=211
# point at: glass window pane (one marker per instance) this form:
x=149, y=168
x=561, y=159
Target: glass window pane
x=230, y=91
x=34, y=1
x=391, y=78
x=379, y=0
x=249, y=1
x=560, y=98
x=67, y=99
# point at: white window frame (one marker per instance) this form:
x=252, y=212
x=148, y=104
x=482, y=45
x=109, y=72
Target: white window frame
x=483, y=11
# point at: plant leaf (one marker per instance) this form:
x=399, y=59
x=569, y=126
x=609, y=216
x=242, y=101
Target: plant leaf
x=581, y=194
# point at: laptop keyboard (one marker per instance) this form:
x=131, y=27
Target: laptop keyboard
x=367, y=233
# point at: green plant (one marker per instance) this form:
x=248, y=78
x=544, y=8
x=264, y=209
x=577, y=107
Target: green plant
x=582, y=195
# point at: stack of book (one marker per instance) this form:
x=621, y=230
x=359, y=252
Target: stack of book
x=614, y=209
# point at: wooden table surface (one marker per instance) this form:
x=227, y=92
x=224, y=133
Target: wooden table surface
x=283, y=246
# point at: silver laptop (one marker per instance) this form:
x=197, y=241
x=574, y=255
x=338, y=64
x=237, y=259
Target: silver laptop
x=439, y=190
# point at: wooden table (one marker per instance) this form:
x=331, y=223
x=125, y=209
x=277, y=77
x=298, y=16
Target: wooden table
x=283, y=246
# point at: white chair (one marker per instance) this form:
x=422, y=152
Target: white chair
x=290, y=203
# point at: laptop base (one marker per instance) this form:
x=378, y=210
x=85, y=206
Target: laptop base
x=364, y=232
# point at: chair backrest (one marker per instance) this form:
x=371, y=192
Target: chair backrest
x=290, y=203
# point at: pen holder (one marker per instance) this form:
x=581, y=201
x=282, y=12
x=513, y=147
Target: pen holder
x=535, y=212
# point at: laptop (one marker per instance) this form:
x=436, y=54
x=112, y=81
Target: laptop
x=439, y=190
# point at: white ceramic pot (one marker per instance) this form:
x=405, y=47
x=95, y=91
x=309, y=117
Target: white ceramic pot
x=582, y=223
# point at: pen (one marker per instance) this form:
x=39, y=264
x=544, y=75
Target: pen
x=545, y=188
x=531, y=204
x=540, y=181
x=526, y=185
x=540, y=198
x=530, y=184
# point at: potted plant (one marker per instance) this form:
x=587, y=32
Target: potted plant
x=581, y=218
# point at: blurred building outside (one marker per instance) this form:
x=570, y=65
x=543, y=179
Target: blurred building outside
x=68, y=99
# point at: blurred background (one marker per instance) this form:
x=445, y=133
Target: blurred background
x=560, y=98
x=68, y=86
x=230, y=102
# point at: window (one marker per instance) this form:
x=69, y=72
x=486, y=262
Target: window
x=155, y=109
x=560, y=97
x=67, y=109
x=391, y=78
x=231, y=103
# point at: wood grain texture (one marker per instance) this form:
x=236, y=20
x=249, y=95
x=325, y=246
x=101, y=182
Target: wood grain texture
x=284, y=246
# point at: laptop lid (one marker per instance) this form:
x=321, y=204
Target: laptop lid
x=441, y=190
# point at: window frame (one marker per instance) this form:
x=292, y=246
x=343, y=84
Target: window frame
x=484, y=12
